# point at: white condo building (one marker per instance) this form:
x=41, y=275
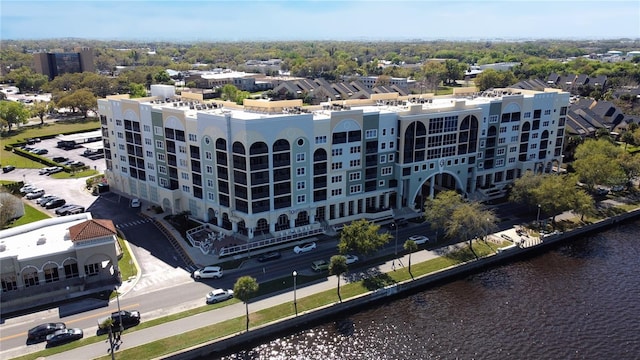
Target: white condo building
x=269, y=167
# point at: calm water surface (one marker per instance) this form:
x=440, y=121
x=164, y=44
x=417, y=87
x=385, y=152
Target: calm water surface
x=580, y=301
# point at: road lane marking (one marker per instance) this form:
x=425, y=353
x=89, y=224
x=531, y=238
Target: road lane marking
x=73, y=321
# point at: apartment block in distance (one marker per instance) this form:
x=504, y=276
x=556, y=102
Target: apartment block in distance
x=58, y=63
x=271, y=171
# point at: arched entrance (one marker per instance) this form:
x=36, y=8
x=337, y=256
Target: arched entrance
x=283, y=223
x=434, y=185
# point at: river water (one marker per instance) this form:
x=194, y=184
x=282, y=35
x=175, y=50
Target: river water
x=578, y=301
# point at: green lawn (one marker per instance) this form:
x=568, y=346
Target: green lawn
x=31, y=214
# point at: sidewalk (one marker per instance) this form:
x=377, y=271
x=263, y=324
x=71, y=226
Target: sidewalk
x=140, y=337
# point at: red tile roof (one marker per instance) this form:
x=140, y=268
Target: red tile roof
x=92, y=229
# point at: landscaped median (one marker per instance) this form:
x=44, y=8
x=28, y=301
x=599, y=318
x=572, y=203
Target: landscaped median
x=276, y=313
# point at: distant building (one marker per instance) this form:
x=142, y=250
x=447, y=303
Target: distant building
x=58, y=63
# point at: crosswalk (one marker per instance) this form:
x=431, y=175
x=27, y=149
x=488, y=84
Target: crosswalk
x=133, y=223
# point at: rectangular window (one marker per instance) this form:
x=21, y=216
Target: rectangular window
x=513, y=149
x=353, y=189
x=547, y=112
x=121, y=146
x=371, y=134
x=120, y=135
x=512, y=160
x=336, y=152
x=208, y=155
x=383, y=146
x=162, y=169
x=503, y=129
x=150, y=166
x=336, y=192
x=527, y=115
x=499, y=162
x=501, y=151
x=391, y=157
x=193, y=137
x=355, y=149
x=383, y=159
x=186, y=189
x=534, y=135
x=185, y=176
x=118, y=122
x=164, y=182
x=161, y=157
x=493, y=119
x=300, y=157
x=545, y=123
x=321, y=139
x=123, y=158
x=211, y=196
x=158, y=130
x=149, y=153
x=301, y=199
x=301, y=185
x=354, y=163
x=209, y=169
x=533, y=146
x=336, y=179
x=388, y=170
x=159, y=144
x=515, y=128
x=502, y=140
x=92, y=269
x=182, y=149
x=152, y=178
x=183, y=163
x=336, y=166
x=514, y=138
x=355, y=176
x=300, y=171
x=391, y=144
x=147, y=141
x=210, y=183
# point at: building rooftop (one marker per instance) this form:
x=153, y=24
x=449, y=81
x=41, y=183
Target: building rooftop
x=40, y=238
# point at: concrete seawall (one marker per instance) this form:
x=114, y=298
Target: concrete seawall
x=291, y=324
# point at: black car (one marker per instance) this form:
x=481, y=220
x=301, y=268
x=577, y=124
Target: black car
x=40, y=332
x=8, y=168
x=55, y=203
x=64, y=336
x=398, y=223
x=129, y=318
x=273, y=255
x=60, y=159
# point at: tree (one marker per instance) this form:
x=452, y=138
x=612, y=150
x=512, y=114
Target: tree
x=438, y=211
x=596, y=163
x=337, y=267
x=555, y=194
x=410, y=246
x=521, y=191
x=244, y=289
x=13, y=113
x=582, y=203
x=229, y=92
x=137, y=90
x=162, y=77
x=82, y=99
x=471, y=220
x=630, y=165
x=40, y=109
x=361, y=236
x=10, y=208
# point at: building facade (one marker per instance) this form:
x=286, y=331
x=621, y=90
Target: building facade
x=273, y=166
x=58, y=63
x=56, y=259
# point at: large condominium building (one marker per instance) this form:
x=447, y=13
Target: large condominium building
x=270, y=167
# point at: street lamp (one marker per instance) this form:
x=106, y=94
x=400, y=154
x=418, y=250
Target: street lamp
x=295, y=303
x=396, y=226
x=538, y=216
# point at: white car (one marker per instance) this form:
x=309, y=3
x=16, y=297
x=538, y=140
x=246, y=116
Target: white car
x=135, y=203
x=208, y=272
x=35, y=193
x=217, y=295
x=419, y=239
x=351, y=259
x=45, y=199
x=304, y=248
x=27, y=188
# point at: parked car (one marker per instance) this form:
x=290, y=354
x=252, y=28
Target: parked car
x=55, y=169
x=45, y=171
x=52, y=204
x=217, y=295
x=602, y=191
x=76, y=164
x=34, y=194
x=135, y=203
x=272, y=255
x=64, y=208
x=75, y=210
x=60, y=159
x=617, y=188
x=351, y=259
x=320, y=265
x=40, y=151
x=208, y=272
x=303, y=248
x=6, y=169
x=40, y=332
x=27, y=188
x=128, y=318
x=64, y=336
x=45, y=199
x=419, y=239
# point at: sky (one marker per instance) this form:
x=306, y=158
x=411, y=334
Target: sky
x=363, y=20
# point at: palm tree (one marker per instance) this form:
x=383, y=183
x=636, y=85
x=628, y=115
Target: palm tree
x=244, y=289
x=337, y=267
x=410, y=246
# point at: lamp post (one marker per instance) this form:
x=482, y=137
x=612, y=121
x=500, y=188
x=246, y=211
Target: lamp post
x=395, y=224
x=295, y=303
x=538, y=216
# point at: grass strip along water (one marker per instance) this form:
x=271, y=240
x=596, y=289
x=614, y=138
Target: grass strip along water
x=237, y=325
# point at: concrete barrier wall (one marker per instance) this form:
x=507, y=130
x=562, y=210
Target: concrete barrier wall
x=288, y=325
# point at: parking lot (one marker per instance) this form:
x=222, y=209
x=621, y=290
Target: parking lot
x=94, y=162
